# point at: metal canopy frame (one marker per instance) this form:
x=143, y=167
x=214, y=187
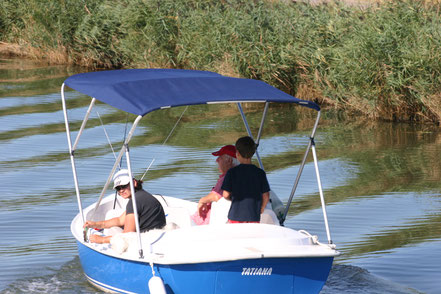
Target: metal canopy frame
x=126, y=151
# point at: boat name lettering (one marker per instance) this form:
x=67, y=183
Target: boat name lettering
x=257, y=271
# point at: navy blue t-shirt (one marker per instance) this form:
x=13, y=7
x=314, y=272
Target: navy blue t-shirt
x=246, y=183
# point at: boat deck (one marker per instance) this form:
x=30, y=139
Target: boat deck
x=181, y=241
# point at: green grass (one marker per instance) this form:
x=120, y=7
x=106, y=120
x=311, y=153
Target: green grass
x=383, y=61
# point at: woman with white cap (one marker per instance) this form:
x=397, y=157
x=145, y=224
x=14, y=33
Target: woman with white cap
x=150, y=212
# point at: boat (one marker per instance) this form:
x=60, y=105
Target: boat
x=264, y=257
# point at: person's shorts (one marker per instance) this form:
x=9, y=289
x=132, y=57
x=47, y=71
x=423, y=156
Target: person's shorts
x=239, y=222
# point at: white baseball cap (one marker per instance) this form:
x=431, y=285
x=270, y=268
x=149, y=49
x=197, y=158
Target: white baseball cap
x=121, y=178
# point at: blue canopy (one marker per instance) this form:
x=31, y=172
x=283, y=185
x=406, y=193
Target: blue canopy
x=140, y=91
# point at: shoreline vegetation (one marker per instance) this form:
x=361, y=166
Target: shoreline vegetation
x=380, y=60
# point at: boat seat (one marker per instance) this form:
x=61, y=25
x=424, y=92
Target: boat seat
x=109, y=215
x=268, y=217
x=219, y=213
x=178, y=216
x=113, y=213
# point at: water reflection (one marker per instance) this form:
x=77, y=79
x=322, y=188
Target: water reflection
x=381, y=180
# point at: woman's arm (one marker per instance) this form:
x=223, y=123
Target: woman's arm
x=113, y=222
x=129, y=223
x=105, y=224
x=99, y=239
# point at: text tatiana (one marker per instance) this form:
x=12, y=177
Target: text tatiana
x=257, y=271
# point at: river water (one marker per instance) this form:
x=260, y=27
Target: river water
x=381, y=182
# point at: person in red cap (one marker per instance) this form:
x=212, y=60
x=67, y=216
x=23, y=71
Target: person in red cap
x=226, y=159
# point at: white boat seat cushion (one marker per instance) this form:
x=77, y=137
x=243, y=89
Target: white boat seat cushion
x=219, y=213
x=178, y=216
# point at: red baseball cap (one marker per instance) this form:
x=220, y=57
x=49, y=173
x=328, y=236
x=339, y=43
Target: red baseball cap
x=227, y=149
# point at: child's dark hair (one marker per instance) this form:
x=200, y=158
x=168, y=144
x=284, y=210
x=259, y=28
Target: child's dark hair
x=246, y=147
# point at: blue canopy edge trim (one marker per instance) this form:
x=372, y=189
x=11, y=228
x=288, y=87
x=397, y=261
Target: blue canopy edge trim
x=140, y=91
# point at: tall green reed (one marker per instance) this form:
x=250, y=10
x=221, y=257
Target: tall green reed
x=381, y=60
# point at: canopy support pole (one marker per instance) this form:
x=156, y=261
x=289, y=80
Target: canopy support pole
x=262, y=122
x=83, y=124
x=247, y=127
x=117, y=161
x=299, y=173
x=322, y=198
x=135, y=209
x=71, y=153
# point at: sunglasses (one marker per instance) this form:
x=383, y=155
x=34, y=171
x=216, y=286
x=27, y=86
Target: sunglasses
x=118, y=188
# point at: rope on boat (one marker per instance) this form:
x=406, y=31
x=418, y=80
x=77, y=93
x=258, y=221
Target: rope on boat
x=107, y=136
x=156, y=285
x=151, y=251
x=315, y=240
x=165, y=141
x=111, y=147
x=125, y=133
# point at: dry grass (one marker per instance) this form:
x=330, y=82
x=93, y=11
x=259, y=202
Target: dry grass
x=12, y=50
x=226, y=66
x=433, y=104
x=47, y=55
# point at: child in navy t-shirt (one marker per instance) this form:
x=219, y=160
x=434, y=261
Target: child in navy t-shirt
x=246, y=185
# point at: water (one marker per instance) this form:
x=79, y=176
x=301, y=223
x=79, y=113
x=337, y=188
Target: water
x=381, y=182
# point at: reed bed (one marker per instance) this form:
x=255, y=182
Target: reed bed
x=381, y=60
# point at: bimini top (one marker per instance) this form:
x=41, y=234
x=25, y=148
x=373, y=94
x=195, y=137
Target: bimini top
x=140, y=91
